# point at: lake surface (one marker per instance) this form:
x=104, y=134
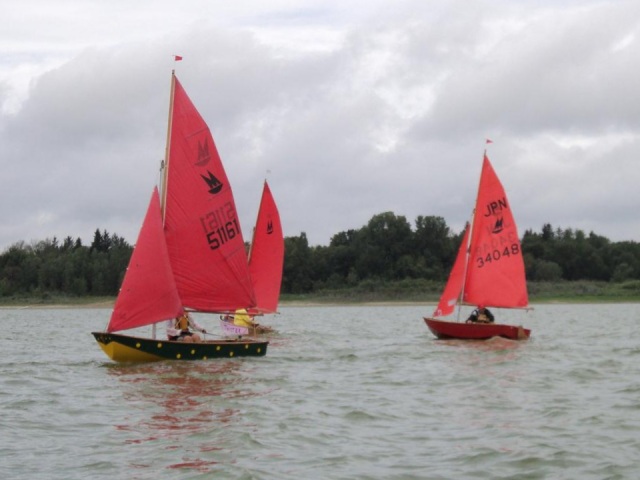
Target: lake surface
x=343, y=393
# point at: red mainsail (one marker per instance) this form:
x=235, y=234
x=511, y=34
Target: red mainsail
x=202, y=230
x=491, y=272
x=267, y=254
x=495, y=273
x=148, y=293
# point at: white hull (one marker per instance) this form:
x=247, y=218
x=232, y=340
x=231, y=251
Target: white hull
x=231, y=329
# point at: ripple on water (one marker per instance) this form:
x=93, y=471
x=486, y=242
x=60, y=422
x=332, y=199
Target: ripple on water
x=333, y=398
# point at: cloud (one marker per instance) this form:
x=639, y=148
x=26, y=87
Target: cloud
x=354, y=111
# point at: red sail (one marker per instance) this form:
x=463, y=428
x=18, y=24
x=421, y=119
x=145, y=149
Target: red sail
x=495, y=273
x=451, y=294
x=267, y=254
x=203, y=233
x=148, y=293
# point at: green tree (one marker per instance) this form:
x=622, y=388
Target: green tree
x=296, y=275
x=384, y=240
x=434, y=245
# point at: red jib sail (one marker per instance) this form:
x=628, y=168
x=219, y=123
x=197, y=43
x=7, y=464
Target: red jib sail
x=495, y=272
x=202, y=229
x=451, y=294
x=267, y=254
x=148, y=292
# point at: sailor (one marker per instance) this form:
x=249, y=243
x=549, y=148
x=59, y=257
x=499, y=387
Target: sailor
x=481, y=315
x=243, y=319
x=180, y=329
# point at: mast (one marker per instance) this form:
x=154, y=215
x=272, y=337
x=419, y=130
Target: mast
x=253, y=233
x=469, y=237
x=163, y=187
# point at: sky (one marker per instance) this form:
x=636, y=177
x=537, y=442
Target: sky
x=349, y=108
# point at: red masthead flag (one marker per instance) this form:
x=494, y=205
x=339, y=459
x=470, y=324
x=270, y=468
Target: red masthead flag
x=177, y=58
x=488, y=139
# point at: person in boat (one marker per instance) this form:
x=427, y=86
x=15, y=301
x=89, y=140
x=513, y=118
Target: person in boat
x=243, y=319
x=180, y=329
x=481, y=315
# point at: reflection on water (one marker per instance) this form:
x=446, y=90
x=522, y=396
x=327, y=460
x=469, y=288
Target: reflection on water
x=493, y=351
x=494, y=344
x=169, y=401
x=485, y=383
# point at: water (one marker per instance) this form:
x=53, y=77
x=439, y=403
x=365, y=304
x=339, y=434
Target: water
x=343, y=393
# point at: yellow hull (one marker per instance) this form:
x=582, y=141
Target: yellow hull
x=125, y=348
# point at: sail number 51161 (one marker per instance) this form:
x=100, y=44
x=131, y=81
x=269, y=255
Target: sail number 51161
x=222, y=234
x=497, y=255
x=220, y=225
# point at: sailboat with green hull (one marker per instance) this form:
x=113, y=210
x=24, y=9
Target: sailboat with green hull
x=190, y=254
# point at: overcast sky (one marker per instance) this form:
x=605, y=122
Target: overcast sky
x=354, y=107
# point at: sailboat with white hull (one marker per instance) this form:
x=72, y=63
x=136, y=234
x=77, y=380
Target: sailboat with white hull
x=266, y=261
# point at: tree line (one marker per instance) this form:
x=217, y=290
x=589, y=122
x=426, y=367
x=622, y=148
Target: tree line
x=387, y=249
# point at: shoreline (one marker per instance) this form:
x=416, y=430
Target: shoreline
x=108, y=304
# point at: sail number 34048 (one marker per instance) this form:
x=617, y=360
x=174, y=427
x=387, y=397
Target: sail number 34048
x=497, y=255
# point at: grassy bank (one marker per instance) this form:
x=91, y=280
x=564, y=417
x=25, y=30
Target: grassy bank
x=583, y=291
x=429, y=292
x=56, y=301
x=405, y=291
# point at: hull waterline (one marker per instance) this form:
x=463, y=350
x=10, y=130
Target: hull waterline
x=125, y=348
x=475, y=331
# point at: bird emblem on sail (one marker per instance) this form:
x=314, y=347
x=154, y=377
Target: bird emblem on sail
x=203, y=154
x=499, y=225
x=269, y=227
x=213, y=183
